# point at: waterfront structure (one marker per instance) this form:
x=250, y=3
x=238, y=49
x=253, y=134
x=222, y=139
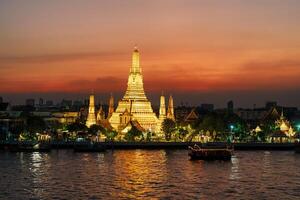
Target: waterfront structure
x=170, y=113
x=91, y=119
x=134, y=106
x=62, y=118
x=284, y=125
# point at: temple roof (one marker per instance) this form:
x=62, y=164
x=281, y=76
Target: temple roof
x=133, y=123
x=272, y=114
x=192, y=116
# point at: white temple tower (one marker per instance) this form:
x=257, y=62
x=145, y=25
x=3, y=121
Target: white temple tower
x=170, y=113
x=91, y=119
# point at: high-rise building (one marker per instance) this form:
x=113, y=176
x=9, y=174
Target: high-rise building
x=41, y=101
x=230, y=106
x=91, y=119
x=30, y=102
x=134, y=106
x=49, y=103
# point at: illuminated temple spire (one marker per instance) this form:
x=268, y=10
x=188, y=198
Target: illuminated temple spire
x=135, y=86
x=91, y=119
x=170, y=113
x=162, y=108
x=100, y=114
x=111, y=108
x=162, y=112
x=134, y=106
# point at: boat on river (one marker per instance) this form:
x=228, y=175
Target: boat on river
x=210, y=152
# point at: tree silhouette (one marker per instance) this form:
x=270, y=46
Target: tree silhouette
x=168, y=127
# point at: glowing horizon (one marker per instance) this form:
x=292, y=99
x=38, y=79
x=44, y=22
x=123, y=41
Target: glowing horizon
x=186, y=46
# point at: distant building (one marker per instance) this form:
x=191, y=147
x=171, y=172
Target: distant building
x=3, y=105
x=207, y=107
x=10, y=124
x=78, y=103
x=86, y=102
x=270, y=104
x=30, y=102
x=251, y=115
x=41, y=101
x=230, y=106
x=52, y=119
x=49, y=103
x=66, y=103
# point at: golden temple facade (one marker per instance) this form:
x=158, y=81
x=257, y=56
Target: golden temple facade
x=134, y=106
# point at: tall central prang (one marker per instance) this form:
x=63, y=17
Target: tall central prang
x=135, y=86
x=134, y=107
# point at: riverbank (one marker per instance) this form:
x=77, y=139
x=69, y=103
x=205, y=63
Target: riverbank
x=163, y=145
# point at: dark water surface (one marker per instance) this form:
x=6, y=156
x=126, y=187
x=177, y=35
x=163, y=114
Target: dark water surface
x=148, y=174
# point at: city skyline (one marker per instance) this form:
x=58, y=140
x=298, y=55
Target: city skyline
x=201, y=52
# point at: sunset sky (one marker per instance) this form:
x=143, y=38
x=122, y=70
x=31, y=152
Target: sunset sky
x=199, y=50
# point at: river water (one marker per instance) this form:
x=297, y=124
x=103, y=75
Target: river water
x=148, y=174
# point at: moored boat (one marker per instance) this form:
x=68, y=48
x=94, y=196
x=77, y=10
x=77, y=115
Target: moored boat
x=210, y=153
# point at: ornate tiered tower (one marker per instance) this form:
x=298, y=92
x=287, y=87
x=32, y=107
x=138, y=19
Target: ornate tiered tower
x=91, y=119
x=162, y=112
x=162, y=109
x=134, y=104
x=170, y=113
x=111, y=108
x=100, y=115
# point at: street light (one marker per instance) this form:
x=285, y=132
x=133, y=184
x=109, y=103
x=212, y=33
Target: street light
x=231, y=126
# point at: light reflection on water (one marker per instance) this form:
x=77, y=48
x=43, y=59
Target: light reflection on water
x=148, y=174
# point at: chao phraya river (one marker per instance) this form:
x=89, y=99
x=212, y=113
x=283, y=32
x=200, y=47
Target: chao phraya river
x=148, y=174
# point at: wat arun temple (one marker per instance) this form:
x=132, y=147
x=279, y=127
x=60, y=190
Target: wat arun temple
x=134, y=109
